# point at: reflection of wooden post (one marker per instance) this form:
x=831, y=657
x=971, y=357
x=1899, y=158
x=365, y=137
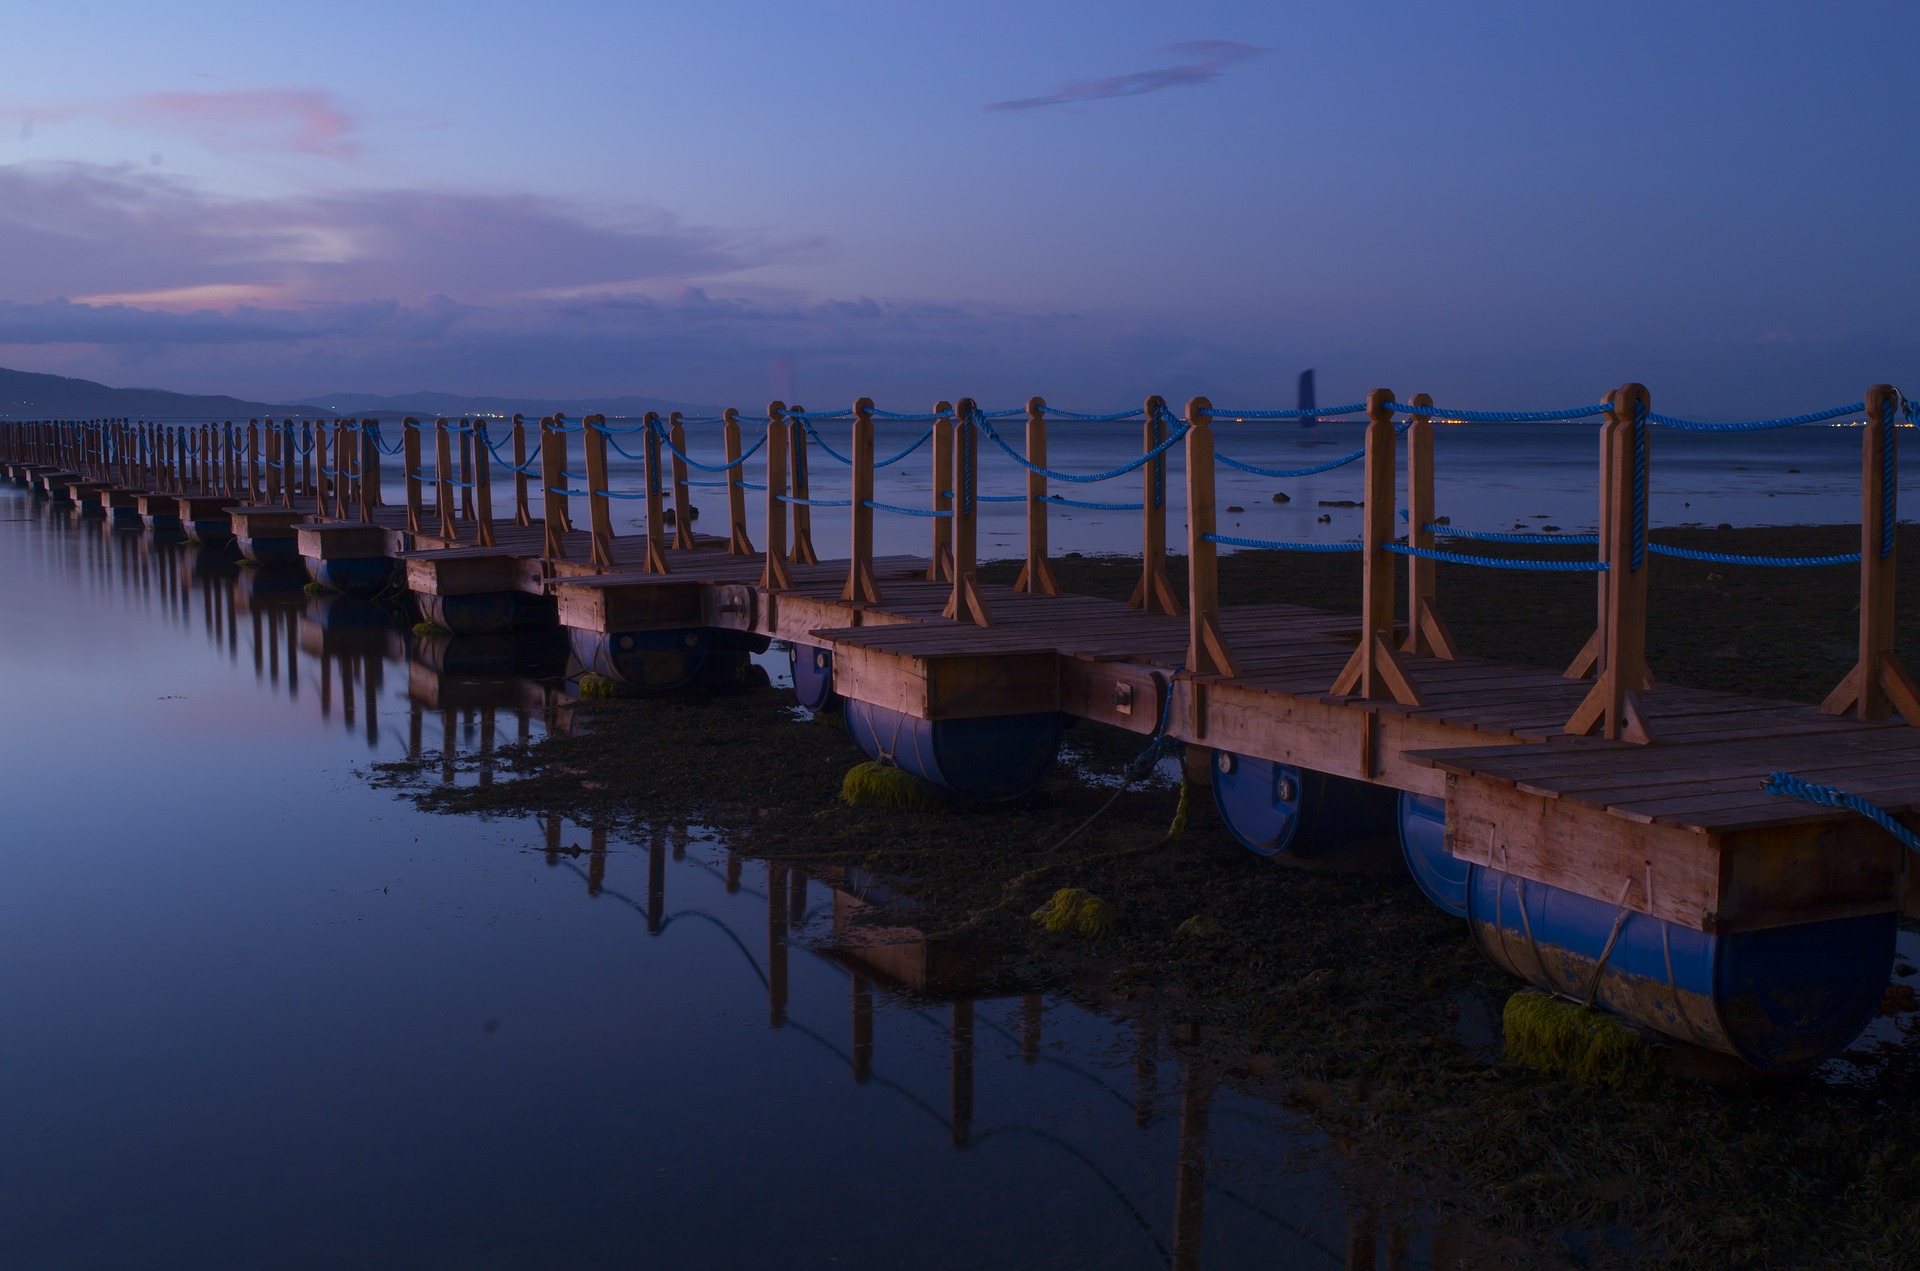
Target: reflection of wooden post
x=774, y=577
x=1613, y=704
x=522, y=514
x=1375, y=669
x=1426, y=632
x=553, y=463
x=733, y=873
x=960, y=1083
x=1207, y=651
x=861, y=587
x=738, y=543
x=597, y=861
x=1877, y=685
x=797, y=896
x=776, y=944
x=1033, y=1010
x=1036, y=576
x=966, y=604
x=593, y=441
x=482, y=485
x=1146, y=1073
x=409, y=460
x=801, y=551
x=443, y=497
x=862, y=1029
x=1154, y=594
x=1190, y=1183
x=656, y=884
x=940, y=565
x=682, y=504
x=553, y=827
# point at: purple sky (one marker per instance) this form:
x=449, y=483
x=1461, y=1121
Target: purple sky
x=1505, y=205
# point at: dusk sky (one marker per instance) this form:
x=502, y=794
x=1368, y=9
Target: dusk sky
x=1506, y=205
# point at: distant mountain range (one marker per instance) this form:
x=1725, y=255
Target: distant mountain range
x=451, y=405
x=26, y=395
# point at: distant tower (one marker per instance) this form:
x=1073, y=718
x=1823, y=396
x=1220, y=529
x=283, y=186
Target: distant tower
x=1303, y=398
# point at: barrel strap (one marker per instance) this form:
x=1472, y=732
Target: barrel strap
x=1619, y=921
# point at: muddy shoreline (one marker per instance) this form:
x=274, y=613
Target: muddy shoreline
x=1333, y=986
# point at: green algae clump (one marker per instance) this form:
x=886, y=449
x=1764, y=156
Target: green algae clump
x=1575, y=1041
x=878, y=785
x=1076, y=910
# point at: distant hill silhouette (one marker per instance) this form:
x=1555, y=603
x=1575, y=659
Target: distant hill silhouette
x=452, y=405
x=27, y=395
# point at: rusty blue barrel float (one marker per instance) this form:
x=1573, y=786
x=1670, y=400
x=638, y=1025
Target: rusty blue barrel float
x=812, y=675
x=986, y=760
x=1782, y=998
x=1272, y=807
x=662, y=661
x=351, y=575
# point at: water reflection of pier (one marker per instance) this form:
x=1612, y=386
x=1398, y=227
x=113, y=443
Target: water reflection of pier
x=943, y=984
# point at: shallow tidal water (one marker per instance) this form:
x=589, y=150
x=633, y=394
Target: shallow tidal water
x=260, y=1013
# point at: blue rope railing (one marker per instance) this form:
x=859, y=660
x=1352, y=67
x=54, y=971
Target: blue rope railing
x=1277, y=545
x=1490, y=536
x=903, y=511
x=1064, y=501
x=1314, y=412
x=1133, y=465
x=1759, y=425
x=1787, y=785
x=813, y=503
x=1734, y=558
x=1501, y=416
x=1497, y=562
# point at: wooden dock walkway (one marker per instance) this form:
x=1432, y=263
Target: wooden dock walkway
x=1597, y=787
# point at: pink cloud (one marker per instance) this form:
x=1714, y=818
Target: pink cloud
x=283, y=120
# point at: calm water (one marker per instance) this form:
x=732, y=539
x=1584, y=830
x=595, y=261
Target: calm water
x=1487, y=477
x=259, y=1014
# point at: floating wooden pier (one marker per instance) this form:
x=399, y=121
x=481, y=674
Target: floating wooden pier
x=1608, y=837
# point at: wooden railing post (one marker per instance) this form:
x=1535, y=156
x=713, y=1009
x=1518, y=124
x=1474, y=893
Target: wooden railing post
x=682, y=500
x=1036, y=576
x=774, y=577
x=522, y=514
x=1878, y=685
x=801, y=552
x=343, y=464
x=553, y=485
x=1613, y=703
x=656, y=499
x=1207, y=650
x=466, y=468
x=482, y=485
x=253, y=459
x=1426, y=631
x=272, y=472
x=940, y=564
x=410, y=464
x=861, y=589
x=369, y=468
x=593, y=438
x=1375, y=670
x=738, y=542
x=966, y=604
x=1154, y=594
x=443, y=481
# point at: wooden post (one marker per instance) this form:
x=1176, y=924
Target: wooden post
x=309, y=461
x=443, y=482
x=682, y=504
x=656, y=502
x=1426, y=631
x=1613, y=704
x=801, y=553
x=253, y=460
x=1207, y=651
x=1154, y=594
x=774, y=577
x=940, y=564
x=522, y=514
x=482, y=485
x=738, y=543
x=593, y=440
x=369, y=468
x=1375, y=670
x=861, y=589
x=1036, y=576
x=966, y=604
x=466, y=468
x=273, y=471
x=1877, y=685
x=410, y=463
x=553, y=462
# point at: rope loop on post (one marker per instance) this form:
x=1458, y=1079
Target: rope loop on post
x=1790, y=786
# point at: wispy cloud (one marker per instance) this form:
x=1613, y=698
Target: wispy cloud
x=302, y=121
x=1204, y=60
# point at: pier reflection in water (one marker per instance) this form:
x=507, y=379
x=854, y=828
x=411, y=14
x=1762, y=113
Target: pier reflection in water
x=260, y=1013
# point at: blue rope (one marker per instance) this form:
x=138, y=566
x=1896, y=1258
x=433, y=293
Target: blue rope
x=1068, y=414
x=1226, y=540
x=911, y=419
x=1329, y=466
x=573, y=476
x=814, y=503
x=1131, y=465
x=806, y=422
x=889, y=507
x=615, y=494
x=572, y=494
x=887, y=463
x=1728, y=558
x=1488, y=536
x=1790, y=786
x=1501, y=416
x=721, y=484
x=1063, y=501
x=1498, y=562
x=752, y=485
x=1317, y=412
x=1638, y=556
x=1758, y=425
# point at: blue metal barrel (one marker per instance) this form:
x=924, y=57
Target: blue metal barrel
x=484, y=613
x=210, y=531
x=262, y=550
x=812, y=675
x=1271, y=807
x=354, y=575
x=652, y=661
x=986, y=760
x=1782, y=999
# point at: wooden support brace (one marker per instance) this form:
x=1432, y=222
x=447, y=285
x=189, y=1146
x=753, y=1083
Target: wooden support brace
x=1376, y=669
x=1878, y=685
x=966, y=604
x=1613, y=706
x=738, y=543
